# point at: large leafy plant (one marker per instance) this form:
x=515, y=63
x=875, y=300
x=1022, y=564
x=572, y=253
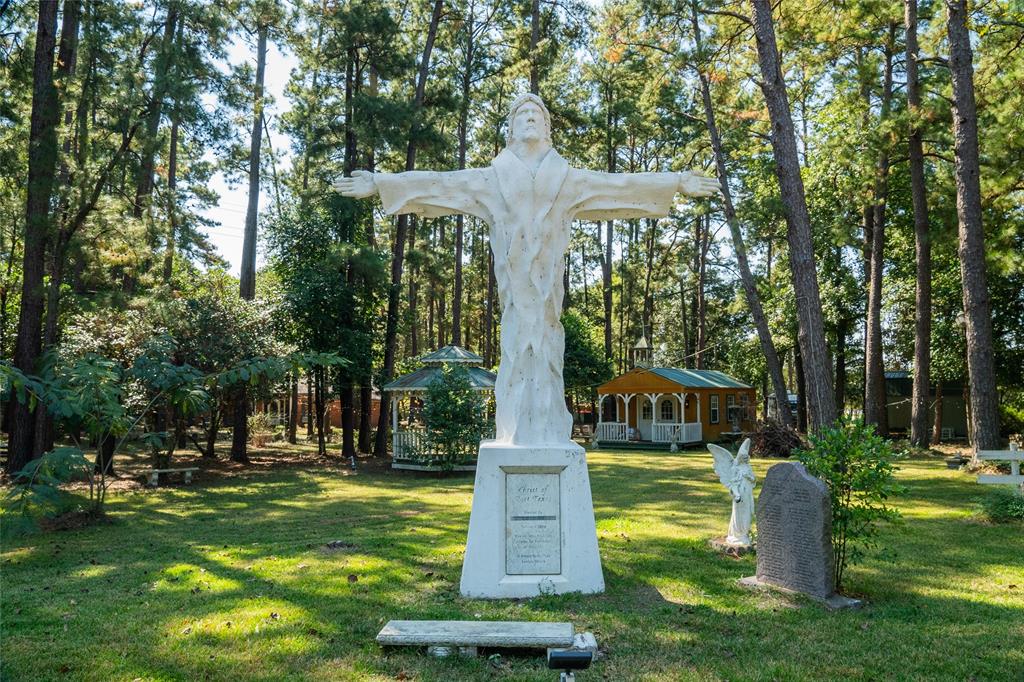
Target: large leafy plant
x=858, y=466
x=455, y=417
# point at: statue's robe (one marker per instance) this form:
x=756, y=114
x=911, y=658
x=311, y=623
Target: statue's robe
x=530, y=217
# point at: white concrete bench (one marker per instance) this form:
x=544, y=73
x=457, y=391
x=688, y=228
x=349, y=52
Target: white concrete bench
x=154, y=474
x=1013, y=456
x=443, y=636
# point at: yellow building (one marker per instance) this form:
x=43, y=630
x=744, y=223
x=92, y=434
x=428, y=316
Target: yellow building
x=666, y=404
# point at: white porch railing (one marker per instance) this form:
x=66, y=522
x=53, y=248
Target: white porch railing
x=612, y=431
x=681, y=433
x=407, y=443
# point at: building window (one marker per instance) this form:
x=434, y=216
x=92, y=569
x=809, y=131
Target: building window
x=668, y=412
x=714, y=409
x=747, y=410
x=647, y=411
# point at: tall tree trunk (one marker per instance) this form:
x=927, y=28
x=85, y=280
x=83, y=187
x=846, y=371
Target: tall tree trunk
x=365, y=409
x=67, y=57
x=467, y=81
x=293, y=410
x=211, y=433
x=611, y=159
x=442, y=298
x=922, y=242
x=977, y=308
x=147, y=162
x=842, y=330
x=801, y=391
x=105, y=453
x=309, y=405
x=240, y=424
x=937, y=423
x=247, y=281
x=875, y=399
x=703, y=243
x=348, y=444
x=413, y=339
x=42, y=168
x=172, y=202
x=534, y=40
x=684, y=321
x=489, y=314
x=739, y=248
x=647, y=313
x=606, y=287
x=380, y=447
x=814, y=351
x=321, y=404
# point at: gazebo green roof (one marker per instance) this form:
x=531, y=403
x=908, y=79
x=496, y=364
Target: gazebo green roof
x=420, y=380
x=450, y=354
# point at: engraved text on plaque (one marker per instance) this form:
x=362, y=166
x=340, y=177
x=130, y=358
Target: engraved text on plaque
x=533, y=529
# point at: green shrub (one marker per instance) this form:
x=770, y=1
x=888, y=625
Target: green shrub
x=261, y=430
x=37, y=491
x=1011, y=420
x=857, y=465
x=1003, y=504
x=454, y=416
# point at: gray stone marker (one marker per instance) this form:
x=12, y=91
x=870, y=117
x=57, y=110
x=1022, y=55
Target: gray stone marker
x=794, y=530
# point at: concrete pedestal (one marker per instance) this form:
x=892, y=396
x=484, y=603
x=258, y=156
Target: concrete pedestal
x=531, y=531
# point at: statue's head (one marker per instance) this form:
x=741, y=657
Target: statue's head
x=743, y=457
x=529, y=120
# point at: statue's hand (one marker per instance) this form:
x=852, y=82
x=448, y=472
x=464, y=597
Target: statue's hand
x=359, y=186
x=696, y=185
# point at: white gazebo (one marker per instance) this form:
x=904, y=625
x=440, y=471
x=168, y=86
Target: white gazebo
x=407, y=393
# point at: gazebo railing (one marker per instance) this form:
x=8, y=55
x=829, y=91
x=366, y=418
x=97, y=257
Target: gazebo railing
x=407, y=444
x=411, y=444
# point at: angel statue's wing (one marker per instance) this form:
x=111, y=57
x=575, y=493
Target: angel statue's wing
x=745, y=448
x=723, y=463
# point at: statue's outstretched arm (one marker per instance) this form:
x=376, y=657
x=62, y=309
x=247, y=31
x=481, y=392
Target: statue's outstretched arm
x=359, y=186
x=697, y=185
x=426, y=193
x=612, y=196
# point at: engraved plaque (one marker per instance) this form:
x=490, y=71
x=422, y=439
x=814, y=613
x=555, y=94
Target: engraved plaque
x=533, y=527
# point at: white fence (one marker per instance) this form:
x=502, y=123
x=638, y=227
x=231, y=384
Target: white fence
x=1013, y=456
x=618, y=432
x=681, y=433
x=612, y=431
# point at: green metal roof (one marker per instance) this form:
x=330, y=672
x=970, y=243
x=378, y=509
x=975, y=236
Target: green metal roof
x=451, y=354
x=420, y=380
x=699, y=378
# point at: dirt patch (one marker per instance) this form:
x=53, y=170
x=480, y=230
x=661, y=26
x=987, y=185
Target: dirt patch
x=73, y=520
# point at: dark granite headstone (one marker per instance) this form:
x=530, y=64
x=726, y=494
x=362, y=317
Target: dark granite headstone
x=794, y=528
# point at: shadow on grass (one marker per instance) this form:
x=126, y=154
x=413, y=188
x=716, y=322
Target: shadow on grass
x=233, y=582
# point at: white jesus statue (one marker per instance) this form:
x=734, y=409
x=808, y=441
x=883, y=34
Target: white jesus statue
x=529, y=197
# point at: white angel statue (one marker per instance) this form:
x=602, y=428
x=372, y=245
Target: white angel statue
x=738, y=477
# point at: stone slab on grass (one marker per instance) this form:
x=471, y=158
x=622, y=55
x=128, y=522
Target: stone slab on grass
x=834, y=602
x=466, y=633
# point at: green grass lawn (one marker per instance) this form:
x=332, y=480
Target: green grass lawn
x=230, y=579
